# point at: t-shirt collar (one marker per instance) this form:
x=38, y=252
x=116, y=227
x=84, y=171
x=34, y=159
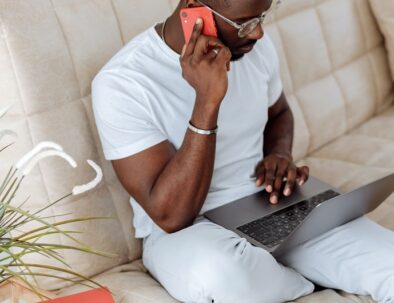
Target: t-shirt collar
x=168, y=51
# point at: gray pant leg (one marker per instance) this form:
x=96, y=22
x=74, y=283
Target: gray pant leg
x=206, y=262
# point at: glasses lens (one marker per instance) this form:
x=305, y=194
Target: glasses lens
x=248, y=27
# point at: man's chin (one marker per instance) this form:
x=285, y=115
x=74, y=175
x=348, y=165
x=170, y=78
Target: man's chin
x=238, y=54
x=236, y=57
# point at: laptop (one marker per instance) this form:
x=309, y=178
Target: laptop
x=312, y=209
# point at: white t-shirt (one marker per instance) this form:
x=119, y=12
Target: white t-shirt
x=140, y=99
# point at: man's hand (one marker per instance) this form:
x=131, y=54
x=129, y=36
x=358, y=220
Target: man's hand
x=276, y=169
x=205, y=63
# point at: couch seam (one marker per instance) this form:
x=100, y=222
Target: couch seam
x=72, y=62
x=376, y=137
x=333, y=71
x=365, y=37
x=57, y=106
x=22, y=98
x=68, y=48
x=366, y=164
x=286, y=56
x=339, y=160
x=117, y=21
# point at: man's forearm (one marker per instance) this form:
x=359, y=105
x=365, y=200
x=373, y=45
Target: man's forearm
x=182, y=187
x=278, y=134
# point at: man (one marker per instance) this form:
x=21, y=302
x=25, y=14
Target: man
x=191, y=127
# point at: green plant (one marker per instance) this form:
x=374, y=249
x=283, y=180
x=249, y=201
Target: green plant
x=15, y=244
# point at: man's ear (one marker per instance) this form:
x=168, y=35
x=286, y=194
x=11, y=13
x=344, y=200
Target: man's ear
x=192, y=3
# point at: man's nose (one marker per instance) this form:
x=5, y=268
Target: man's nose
x=257, y=33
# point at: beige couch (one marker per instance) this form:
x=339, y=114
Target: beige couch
x=336, y=77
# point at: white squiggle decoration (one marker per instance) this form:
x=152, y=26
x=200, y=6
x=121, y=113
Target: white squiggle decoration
x=88, y=186
x=39, y=147
x=5, y=110
x=45, y=154
x=28, y=161
x=7, y=132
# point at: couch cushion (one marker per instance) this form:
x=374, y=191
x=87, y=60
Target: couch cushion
x=334, y=79
x=361, y=156
x=131, y=283
x=384, y=12
x=50, y=50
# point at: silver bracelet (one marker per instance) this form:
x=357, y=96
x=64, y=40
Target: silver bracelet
x=202, y=131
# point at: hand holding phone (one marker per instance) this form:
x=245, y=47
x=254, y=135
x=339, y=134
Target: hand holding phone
x=205, y=69
x=189, y=17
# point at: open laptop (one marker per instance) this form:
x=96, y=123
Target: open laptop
x=310, y=211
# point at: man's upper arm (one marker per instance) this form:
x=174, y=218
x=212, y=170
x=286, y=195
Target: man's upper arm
x=272, y=64
x=123, y=118
x=138, y=173
x=129, y=135
x=279, y=107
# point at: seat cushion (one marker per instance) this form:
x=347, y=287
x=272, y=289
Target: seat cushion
x=130, y=283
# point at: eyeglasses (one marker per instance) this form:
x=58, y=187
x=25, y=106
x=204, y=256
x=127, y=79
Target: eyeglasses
x=249, y=26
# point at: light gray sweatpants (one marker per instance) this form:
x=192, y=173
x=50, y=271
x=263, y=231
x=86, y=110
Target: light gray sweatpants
x=207, y=263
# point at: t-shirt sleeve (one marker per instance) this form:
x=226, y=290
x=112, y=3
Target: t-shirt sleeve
x=275, y=86
x=121, y=111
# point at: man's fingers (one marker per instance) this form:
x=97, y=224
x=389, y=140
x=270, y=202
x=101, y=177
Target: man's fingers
x=302, y=174
x=274, y=198
x=280, y=173
x=204, y=47
x=223, y=57
x=277, y=186
x=200, y=48
x=278, y=181
x=270, y=171
x=193, y=39
x=260, y=175
x=291, y=178
x=212, y=54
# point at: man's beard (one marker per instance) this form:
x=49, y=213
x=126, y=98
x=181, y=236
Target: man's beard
x=234, y=55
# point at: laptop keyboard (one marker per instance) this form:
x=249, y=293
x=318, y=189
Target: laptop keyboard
x=273, y=229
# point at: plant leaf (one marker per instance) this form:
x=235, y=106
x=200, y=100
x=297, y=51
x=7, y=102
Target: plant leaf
x=59, y=269
x=7, y=146
x=27, y=214
x=5, y=110
x=3, y=184
x=58, y=224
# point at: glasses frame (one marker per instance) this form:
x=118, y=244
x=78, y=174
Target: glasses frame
x=252, y=23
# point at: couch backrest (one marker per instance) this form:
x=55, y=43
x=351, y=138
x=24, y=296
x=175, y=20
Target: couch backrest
x=50, y=50
x=334, y=69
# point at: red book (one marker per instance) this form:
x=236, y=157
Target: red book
x=99, y=295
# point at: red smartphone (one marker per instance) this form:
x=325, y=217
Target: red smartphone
x=189, y=17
